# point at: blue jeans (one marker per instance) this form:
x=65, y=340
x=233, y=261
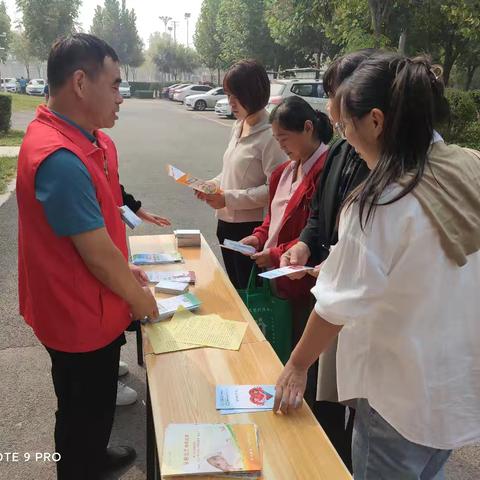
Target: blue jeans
x=380, y=453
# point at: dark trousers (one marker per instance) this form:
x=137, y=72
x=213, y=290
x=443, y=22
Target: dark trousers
x=330, y=415
x=238, y=266
x=86, y=389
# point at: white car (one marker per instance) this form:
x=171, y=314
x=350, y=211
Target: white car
x=124, y=89
x=180, y=95
x=9, y=85
x=205, y=100
x=310, y=90
x=223, y=108
x=36, y=86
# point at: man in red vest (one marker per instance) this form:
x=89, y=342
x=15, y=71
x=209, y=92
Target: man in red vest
x=76, y=288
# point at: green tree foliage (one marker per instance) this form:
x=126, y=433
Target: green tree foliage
x=170, y=57
x=117, y=25
x=21, y=49
x=5, y=24
x=205, y=38
x=46, y=20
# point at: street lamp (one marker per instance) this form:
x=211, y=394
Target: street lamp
x=165, y=20
x=174, y=23
x=187, y=16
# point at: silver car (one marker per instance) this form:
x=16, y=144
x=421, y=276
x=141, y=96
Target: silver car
x=205, y=100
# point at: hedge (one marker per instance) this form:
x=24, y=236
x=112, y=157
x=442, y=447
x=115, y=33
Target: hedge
x=144, y=93
x=135, y=86
x=5, y=112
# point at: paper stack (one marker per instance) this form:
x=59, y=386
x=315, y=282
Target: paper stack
x=156, y=258
x=183, y=276
x=168, y=306
x=231, y=399
x=223, y=450
x=187, y=330
x=174, y=288
x=187, y=238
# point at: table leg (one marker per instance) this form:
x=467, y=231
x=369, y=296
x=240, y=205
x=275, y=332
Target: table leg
x=153, y=468
x=139, y=344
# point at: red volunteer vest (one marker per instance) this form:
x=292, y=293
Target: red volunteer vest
x=67, y=307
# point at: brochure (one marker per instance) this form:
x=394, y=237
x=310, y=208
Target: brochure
x=129, y=217
x=238, y=247
x=280, y=272
x=191, y=181
x=156, y=258
x=245, y=397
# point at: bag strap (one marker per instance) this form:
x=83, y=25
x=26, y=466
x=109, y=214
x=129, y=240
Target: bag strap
x=251, y=279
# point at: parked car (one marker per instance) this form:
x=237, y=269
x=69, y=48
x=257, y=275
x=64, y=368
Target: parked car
x=205, y=100
x=166, y=90
x=310, y=90
x=36, y=86
x=223, y=109
x=9, y=85
x=175, y=89
x=124, y=89
x=180, y=95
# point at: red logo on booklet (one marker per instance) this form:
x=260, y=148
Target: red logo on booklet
x=259, y=396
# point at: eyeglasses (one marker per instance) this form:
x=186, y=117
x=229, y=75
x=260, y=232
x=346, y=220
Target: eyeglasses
x=340, y=129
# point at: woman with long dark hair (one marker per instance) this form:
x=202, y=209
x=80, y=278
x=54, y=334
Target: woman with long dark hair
x=400, y=287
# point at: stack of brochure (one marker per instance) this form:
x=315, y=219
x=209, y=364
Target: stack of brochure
x=156, y=258
x=174, y=288
x=222, y=450
x=183, y=276
x=187, y=238
x=168, y=306
x=231, y=399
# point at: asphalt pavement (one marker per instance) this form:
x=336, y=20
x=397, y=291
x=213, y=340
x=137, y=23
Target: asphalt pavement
x=148, y=135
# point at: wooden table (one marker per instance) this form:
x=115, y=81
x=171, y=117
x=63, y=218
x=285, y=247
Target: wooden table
x=181, y=385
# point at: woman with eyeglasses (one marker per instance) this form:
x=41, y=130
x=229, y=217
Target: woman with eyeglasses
x=400, y=288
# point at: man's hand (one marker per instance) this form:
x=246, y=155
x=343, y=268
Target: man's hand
x=251, y=240
x=153, y=218
x=139, y=275
x=296, y=255
x=144, y=305
x=216, y=200
x=290, y=388
x=262, y=259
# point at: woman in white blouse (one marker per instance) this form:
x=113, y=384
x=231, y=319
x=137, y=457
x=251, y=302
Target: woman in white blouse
x=400, y=287
x=251, y=156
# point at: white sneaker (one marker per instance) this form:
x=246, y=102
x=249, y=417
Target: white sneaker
x=122, y=369
x=125, y=395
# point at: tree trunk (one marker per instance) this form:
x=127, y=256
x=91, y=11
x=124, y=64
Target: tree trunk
x=402, y=42
x=451, y=55
x=27, y=68
x=380, y=11
x=470, y=73
x=218, y=76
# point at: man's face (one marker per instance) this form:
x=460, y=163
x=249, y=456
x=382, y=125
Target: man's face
x=102, y=97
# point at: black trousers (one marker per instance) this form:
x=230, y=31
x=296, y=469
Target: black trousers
x=238, y=266
x=330, y=415
x=86, y=389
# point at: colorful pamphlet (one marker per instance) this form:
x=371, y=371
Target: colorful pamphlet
x=129, y=217
x=174, y=288
x=244, y=398
x=238, y=247
x=168, y=306
x=280, y=272
x=191, y=181
x=224, y=450
x=183, y=276
x=156, y=258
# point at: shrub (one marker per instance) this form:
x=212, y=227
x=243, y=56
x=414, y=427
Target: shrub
x=471, y=137
x=144, y=93
x=5, y=112
x=475, y=94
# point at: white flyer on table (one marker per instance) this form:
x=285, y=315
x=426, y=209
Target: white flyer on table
x=280, y=272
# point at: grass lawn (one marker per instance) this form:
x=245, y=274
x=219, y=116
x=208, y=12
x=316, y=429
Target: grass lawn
x=24, y=103
x=12, y=138
x=8, y=166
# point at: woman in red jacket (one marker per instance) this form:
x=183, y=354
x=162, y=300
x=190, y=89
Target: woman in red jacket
x=303, y=135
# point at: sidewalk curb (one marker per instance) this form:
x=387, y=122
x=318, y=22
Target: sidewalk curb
x=9, y=190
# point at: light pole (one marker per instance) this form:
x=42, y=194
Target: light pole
x=187, y=16
x=174, y=30
x=165, y=20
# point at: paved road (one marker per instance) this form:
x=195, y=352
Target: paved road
x=148, y=135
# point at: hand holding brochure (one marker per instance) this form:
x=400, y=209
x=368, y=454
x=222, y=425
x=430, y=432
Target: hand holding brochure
x=129, y=217
x=190, y=181
x=280, y=272
x=238, y=247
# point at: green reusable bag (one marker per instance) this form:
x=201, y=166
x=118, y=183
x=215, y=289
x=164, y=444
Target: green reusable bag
x=272, y=314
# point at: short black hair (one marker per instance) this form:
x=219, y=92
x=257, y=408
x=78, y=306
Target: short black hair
x=294, y=111
x=248, y=81
x=79, y=51
x=342, y=67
